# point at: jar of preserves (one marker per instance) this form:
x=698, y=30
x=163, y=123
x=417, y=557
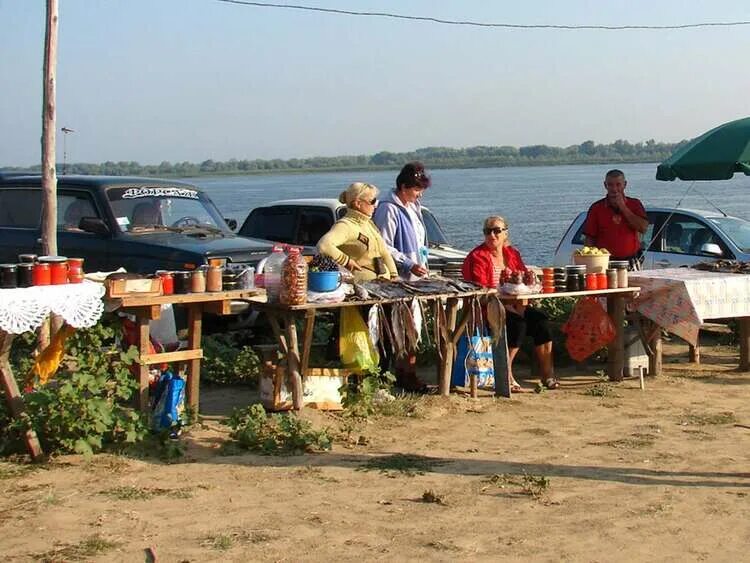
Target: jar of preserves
x=25, y=273
x=213, y=279
x=181, y=282
x=75, y=270
x=198, y=282
x=8, y=276
x=41, y=275
x=58, y=268
x=294, y=279
x=167, y=282
x=612, y=278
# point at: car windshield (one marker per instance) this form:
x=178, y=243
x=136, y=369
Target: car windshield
x=164, y=207
x=435, y=234
x=736, y=229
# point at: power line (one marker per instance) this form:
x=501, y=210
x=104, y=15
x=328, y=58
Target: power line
x=483, y=24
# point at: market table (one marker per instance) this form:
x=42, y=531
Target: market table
x=147, y=308
x=615, y=308
x=679, y=300
x=24, y=310
x=450, y=323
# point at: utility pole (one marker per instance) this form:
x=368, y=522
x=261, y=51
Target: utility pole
x=65, y=130
x=49, y=175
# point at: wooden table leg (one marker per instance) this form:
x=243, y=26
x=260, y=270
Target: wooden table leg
x=293, y=362
x=13, y=395
x=447, y=348
x=694, y=354
x=195, y=329
x=276, y=327
x=307, y=337
x=437, y=313
x=143, y=369
x=616, y=348
x=744, y=330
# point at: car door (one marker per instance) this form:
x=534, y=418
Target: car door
x=72, y=206
x=20, y=214
x=682, y=240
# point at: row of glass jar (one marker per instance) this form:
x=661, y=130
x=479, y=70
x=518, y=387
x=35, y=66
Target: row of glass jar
x=41, y=270
x=575, y=278
x=205, y=279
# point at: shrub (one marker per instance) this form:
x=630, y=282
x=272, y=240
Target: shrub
x=277, y=433
x=226, y=361
x=84, y=407
x=357, y=398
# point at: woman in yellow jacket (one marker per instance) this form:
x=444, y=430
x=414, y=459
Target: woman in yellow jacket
x=354, y=241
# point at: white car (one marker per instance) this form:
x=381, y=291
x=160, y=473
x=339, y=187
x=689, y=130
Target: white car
x=676, y=237
x=302, y=222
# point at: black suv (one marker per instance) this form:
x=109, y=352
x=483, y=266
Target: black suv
x=142, y=224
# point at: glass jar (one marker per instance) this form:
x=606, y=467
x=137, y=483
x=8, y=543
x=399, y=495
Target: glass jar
x=25, y=274
x=612, y=278
x=198, y=282
x=601, y=280
x=58, y=268
x=294, y=279
x=213, y=279
x=591, y=283
x=167, y=282
x=8, y=276
x=75, y=270
x=181, y=282
x=622, y=277
x=40, y=274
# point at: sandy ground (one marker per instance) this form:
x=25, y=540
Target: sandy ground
x=586, y=473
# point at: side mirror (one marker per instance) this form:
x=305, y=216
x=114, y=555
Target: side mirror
x=231, y=223
x=93, y=225
x=712, y=248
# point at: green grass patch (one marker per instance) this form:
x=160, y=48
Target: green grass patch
x=85, y=549
x=144, y=493
x=708, y=419
x=401, y=464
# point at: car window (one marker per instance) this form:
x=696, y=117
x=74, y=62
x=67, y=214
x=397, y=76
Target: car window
x=20, y=207
x=314, y=222
x=71, y=208
x=736, y=229
x=271, y=223
x=435, y=233
x=687, y=235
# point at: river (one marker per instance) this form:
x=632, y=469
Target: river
x=538, y=202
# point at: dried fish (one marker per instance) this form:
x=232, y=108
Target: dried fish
x=416, y=316
x=372, y=325
x=397, y=329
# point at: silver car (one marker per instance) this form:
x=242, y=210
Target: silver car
x=676, y=237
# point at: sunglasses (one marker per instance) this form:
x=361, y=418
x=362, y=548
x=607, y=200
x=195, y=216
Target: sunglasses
x=372, y=201
x=495, y=230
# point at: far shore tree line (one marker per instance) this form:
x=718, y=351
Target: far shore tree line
x=587, y=152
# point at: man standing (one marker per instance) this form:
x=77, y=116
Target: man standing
x=616, y=222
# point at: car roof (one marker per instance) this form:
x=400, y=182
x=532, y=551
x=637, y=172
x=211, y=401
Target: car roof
x=685, y=211
x=92, y=181
x=319, y=201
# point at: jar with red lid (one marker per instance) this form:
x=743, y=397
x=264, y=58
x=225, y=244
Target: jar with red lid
x=75, y=270
x=41, y=274
x=167, y=282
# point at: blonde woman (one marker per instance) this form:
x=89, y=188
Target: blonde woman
x=354, y=241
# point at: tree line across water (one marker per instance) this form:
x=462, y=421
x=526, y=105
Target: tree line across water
x=434, y=157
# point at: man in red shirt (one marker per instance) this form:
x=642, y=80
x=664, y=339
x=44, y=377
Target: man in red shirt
x=616, y=222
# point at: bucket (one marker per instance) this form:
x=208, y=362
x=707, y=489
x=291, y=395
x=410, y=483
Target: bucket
x=320, y=282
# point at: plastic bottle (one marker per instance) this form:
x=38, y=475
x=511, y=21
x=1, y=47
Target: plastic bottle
x=272, y=273
x=294, y=279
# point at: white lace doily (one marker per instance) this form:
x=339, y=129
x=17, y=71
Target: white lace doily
x=24, y=309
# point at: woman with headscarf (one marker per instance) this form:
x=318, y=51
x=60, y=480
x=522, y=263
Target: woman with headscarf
x=354, y=242
x=484, y=265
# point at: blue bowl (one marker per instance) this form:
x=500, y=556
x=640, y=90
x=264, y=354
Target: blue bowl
x=321, y=282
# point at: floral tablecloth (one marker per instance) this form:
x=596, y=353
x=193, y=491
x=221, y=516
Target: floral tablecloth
x=681, y=299
x=24, y=309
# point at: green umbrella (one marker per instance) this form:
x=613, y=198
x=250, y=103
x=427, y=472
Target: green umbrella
x=715, y=155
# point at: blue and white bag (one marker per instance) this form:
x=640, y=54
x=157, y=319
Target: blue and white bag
x=474, y=358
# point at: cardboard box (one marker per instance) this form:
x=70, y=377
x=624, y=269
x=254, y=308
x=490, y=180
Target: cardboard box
x=145, y=287
x=320, y=388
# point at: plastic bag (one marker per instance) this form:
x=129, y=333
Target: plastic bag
x=169, y=403
x=355, y=347
x=589, y=328
x=475, y=359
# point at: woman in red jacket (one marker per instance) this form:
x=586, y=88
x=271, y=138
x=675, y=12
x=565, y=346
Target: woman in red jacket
x=484, y=265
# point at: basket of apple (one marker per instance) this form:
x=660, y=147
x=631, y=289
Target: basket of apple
x=595, y=259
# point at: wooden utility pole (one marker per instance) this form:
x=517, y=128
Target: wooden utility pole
x=49, y=175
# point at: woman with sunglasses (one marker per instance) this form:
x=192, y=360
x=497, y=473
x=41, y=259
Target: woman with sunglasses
x=354, y=241
x=399, y=218
x=484, y=265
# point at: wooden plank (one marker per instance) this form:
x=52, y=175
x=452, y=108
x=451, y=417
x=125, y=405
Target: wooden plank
x=167, y=357
x=151, y=312
x=464, y=319
x=273, y=320
x=293, y=362
x=447, y=349
x=616, y=348
x=13, y=396
x=218, y=307
x=143, y=350
x=140, y=301
x=694, y=354
x=590, y=292
x=195, y=328
x=307, y=337
x=655, y=358
x=744, y=334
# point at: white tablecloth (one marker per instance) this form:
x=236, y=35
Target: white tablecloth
x=24, y=309
x=681, y=299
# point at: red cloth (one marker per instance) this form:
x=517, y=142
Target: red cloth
x=478, y=266
x=609, y=229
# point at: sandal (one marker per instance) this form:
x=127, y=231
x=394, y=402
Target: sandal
x=551, y=383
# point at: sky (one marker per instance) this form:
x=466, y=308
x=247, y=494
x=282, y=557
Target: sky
x=190, y=80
